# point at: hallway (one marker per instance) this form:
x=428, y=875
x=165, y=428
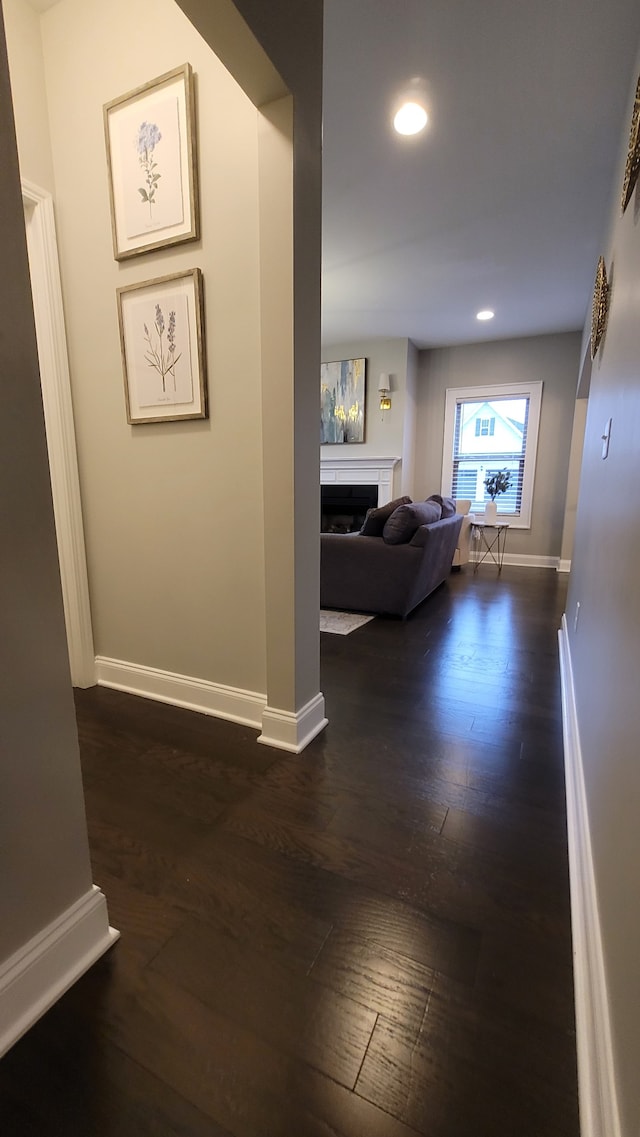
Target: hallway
x=371, y=939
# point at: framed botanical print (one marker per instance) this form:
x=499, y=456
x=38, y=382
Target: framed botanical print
x=163, y=351
x=150, y=136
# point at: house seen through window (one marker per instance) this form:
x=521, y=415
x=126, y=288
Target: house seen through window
x=490, y=429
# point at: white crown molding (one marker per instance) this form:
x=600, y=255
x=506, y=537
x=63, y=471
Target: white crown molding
x=35, y=976
x=201, y=695
x=564, y=565
x=61, y=439
x=292, y=731
x=599, y=1116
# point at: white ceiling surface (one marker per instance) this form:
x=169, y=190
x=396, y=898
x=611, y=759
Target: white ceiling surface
x=502, y=201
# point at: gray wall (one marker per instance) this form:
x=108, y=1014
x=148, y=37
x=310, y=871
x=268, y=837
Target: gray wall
x=553, y=359
x=44, y=859
x=605, y=648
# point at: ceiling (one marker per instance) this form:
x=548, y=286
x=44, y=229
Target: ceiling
x=501, y=203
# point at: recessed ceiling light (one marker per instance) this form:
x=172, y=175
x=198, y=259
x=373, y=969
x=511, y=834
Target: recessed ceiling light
x=410, y=119
x=485, y=314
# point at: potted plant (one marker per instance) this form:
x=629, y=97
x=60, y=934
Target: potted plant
x=495, y=484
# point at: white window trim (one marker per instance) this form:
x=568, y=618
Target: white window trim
x=489, y=391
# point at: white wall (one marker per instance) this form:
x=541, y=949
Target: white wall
x=288, y=36
x=553, y=359
x=174, y=520
x=605, y=647
x=24, y=48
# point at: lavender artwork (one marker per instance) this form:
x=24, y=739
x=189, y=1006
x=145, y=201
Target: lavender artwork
x=159, y=351
x=161, y=354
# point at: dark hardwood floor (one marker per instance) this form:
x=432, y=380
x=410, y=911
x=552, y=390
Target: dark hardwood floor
x=371, y=939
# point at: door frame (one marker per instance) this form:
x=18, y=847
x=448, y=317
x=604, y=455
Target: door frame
x=61, y=439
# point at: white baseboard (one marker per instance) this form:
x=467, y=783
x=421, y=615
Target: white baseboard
x=35, y=976
x=523, y=560
x=289, y=730
x=599, y=1115
x=564, y=566
x=215, y=699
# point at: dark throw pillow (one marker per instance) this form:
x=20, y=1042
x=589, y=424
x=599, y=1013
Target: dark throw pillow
x=447, y=504
x=376, y=519
x=407, y=518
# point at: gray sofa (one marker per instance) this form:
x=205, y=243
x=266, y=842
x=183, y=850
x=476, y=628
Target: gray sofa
x=384, y=575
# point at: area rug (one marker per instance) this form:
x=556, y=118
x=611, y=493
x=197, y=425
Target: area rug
x=341, y=623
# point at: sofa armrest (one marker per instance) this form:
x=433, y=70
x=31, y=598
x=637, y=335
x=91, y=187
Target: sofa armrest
x=461, y=556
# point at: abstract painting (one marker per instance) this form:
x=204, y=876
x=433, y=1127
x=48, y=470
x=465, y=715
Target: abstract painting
x=342, y=401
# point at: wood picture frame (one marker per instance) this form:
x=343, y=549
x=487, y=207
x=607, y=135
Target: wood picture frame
x=150, y=137
x=163, y=348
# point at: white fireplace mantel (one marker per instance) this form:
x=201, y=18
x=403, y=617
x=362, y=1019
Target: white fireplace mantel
x=352, y=470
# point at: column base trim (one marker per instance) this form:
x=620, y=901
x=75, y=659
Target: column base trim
x=289, y=730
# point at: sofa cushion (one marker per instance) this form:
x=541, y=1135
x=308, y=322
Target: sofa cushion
x=407, y=518
x=376, y=519
x=447, y=504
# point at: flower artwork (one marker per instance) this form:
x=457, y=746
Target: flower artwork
x=159, y=349
x=146, y=141
x=161, y=354
x=151, y=160
x=150, y=163
x=163, y=348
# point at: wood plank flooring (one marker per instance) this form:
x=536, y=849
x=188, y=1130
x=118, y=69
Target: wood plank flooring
x=371, y=939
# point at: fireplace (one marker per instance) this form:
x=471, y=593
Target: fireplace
x=344, y=507
x=338, y=470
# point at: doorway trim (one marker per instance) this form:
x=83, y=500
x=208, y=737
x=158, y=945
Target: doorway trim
x=61, y=439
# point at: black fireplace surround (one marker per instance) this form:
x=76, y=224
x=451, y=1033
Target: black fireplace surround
x=343, y=508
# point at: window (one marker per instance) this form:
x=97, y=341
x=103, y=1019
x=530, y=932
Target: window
x=489, y=429
x=485, y=426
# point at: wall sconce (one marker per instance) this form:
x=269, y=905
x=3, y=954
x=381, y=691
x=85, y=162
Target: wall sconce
x=384, y=390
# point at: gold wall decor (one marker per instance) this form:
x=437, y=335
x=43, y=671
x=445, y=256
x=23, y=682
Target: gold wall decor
x=632, y=168
x=599, y=312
